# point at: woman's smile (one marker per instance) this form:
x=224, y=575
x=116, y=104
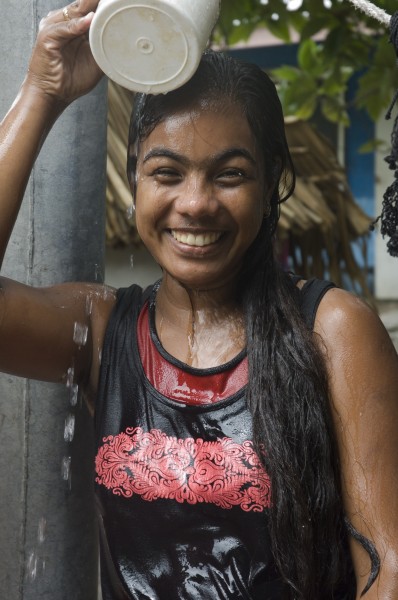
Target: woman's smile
x=195, y=240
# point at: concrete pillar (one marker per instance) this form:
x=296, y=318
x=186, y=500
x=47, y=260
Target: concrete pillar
x=48, y=543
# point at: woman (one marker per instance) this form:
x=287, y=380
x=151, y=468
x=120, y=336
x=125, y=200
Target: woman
x=237, y=452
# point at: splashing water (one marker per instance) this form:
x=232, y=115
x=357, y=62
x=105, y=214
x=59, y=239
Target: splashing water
x=66, y=472
x=98, y=275
x=69, y=430
x=73, y=394
x=70, y=377
x=35, y=565
x=31, y=566
x=130, y=211
x=89, y=305
x=80, y=333
x=72, y=387
x=41, y=530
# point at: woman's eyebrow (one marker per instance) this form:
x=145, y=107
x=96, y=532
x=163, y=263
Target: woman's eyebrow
x=160, y=152
x=232, y=153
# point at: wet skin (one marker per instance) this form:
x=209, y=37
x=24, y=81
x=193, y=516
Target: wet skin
x=200, y=202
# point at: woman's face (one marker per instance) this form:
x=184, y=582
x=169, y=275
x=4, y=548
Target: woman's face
x=200, y=195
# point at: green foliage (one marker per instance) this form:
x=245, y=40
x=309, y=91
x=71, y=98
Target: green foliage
x=336, y=42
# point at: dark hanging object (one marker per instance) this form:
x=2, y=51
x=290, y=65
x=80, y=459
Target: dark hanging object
x=389, y=213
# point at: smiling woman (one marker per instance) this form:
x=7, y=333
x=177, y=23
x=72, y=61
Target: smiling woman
x=236, y=452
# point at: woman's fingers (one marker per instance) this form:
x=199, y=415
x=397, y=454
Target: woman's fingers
x=62, y=64
x=75, y=10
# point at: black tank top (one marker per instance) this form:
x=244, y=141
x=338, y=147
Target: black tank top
x=182, y=496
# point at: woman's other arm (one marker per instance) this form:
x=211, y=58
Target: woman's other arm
x=363, y=374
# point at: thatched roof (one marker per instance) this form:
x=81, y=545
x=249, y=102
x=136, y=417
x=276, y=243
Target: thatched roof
x=317, y=224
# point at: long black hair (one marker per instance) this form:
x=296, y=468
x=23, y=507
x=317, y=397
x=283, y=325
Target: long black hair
x=287, y=392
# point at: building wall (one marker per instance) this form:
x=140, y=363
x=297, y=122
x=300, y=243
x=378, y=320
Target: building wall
x=386, y=266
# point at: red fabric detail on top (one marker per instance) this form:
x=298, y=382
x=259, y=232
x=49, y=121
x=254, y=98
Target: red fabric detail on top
x=156, y=466
x=177, y=384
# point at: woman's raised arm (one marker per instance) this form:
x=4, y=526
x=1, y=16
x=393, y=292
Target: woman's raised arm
x=40, y=328
x=61, y=69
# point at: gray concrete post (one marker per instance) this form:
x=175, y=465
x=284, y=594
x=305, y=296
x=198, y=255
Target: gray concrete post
x=48, y=546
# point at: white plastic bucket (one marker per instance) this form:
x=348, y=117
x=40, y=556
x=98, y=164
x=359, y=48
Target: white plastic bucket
x=151, y=46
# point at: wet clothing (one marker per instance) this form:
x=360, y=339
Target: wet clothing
x=182, y=496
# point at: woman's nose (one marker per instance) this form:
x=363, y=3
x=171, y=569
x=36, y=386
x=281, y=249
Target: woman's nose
x=197, y=198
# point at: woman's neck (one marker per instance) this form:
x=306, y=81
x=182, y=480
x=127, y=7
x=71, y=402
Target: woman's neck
x=203, y=328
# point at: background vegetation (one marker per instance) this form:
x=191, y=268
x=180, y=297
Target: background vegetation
x=336, y=42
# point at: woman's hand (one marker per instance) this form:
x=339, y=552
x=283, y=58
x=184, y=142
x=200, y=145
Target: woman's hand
x=62, y=66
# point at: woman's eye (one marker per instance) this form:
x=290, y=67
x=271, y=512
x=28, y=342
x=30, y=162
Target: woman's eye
x=166, y=174
x=231, y=175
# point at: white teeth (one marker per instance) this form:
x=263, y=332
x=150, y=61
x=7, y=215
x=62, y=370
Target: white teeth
x=200, y=240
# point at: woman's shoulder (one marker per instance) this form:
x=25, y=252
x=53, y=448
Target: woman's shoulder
x=360, y=357
x=342, y=314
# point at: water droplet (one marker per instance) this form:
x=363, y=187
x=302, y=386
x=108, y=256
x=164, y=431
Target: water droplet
x=130, y=211
x=41, y=530
x=31, y=566
x=132, y=261
x=89, y=305
x=70, y=377
x=69, y=430
x=80, y=333
x=65, y=468
x=98, y=275
x=74, y=394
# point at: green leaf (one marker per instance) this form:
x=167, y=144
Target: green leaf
x=300, y=97
x=333, y=110
x=317, y=24
x=375, y=91
x=241, y=32
x=286, y=73
x=372, y=146
x=279, y=28
x=307, y=109
x=307, y=54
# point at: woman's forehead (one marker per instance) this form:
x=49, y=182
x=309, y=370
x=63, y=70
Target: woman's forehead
x=214, y=126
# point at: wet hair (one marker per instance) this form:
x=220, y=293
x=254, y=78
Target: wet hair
x=287, y=392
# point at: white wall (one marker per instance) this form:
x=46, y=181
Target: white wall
x=386, y=266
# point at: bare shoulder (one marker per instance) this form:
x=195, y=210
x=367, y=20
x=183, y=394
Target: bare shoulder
x=360, y=357
x=344, y=320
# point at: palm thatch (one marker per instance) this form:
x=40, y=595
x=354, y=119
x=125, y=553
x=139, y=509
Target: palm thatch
x=317, y=225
